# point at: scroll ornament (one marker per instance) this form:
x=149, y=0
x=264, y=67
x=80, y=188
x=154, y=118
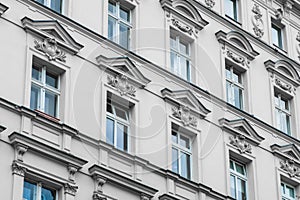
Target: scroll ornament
x=120, y=82
x=184, y=114
x=240, y=143
x=258, y=24
x=50, y=48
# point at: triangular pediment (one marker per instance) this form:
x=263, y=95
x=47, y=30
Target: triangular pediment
x=124, y=66
x=52, y=29
x=290, y=151
x=186, y=98
x=241, y=127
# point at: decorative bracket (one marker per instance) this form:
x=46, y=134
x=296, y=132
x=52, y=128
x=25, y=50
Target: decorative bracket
x=70, y=189
x=290, y=167
x=20, y=151
x=120, y=82
x=257, y=21
x=240, y=143
x=184, y=114
x=72, y=171
x=50, y=48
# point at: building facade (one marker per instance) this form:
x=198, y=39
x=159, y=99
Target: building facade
x=150, y=99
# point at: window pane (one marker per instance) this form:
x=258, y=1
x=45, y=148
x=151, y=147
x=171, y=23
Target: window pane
x=231, y=165
x=124, y=36
x=241, y=189
x=36, y=74
x=50, y=103
x=121, y=113
x=51, y=80
x=122, y=137
x=228, y=74
x=183, y=68
x=112, y=27
x=110, y=131
x=175, y=160
x=278, y=118
x=124, y=14
x=183, y=49
x=185, y=142
x=174, y=67
x=232, y=186
x=236, y=78
x=112, y=8
x=173, y=43
x=290, y=192
x=48, y=194
x=240, y=169
x=277, y=101
x=231, y=8
x=276, y=36
x=238, y=97
x=185, y=166
x=29, y=191
x=109, y=108
x=56, y=5
x=228, y=92
x=35, y=97
x=174, y=137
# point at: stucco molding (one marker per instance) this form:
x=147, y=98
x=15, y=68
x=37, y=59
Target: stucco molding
x=241, y=128
x=289, y=151
x=20, y=150
x=257, y=22
x=210, y=3
x=70, y=189
x=125, y=69
x=52, y=29
x=298, y=44
x=128, y=183
x=167, y=197
x=236, y=58
x=290, y=168
x=237, y=42
x=183, y=113
x=50, y=48
x=72, y=171
x=185, y=99
x=18, y=169
x=120, y=82
x=3, y=9
x=239, y=141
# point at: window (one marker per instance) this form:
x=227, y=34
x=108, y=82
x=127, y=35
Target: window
x=180, y=57
x=283, y=113
x=238, y=180
x=119, y=24
x=231, y=9
x=181, y=154
x=45, y=90
x=37, y=191
x=277, y=36
x=55, y=5
x=117, y=125
x=287, y=192
x=234, y=87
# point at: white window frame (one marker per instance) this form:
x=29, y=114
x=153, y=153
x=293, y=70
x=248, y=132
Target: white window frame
x=113, y=116
x=48, y=4
x=119, y=20
x=39, y=186
x=237, y=176
x=285, y=196
x=283, y=111
x=43, y=87
x=235, y=9
x=176, y=50
x=180, y=150
x=230, y=97
x=280, y=38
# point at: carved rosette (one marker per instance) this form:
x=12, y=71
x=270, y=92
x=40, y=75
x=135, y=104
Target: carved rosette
x=210, y=3
x=240, y=143
x=235, y=57
x=181, y=26
x=120, y=82
x=283, y=85
x=50, y=48
x=18, y=170
x=290, y=167
x=258, y=24
x=70, y=189
x=184, y=114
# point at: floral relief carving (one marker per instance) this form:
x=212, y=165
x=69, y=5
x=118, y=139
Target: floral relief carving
x=70, y=189
x=18, y=170
x=257, y=21
x=210, y=3
x=290, y=167
x=51, y=50
x=235, y=57
x=184, y=114
x=283, y=85
x=298, y=44
x=181, y=26
x=120, y=82
x=240, y=143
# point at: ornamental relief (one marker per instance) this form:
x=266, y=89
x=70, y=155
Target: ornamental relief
x=284, y=86
x=50, y=48
x=183, y=113
x=298, y=44
x=120, y=82
x=236, y=58
x=210, y=3
x=181, y=26
x=258, y=24
x=290, y=167
x=240, y=143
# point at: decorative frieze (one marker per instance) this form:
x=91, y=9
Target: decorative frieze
x=120, y=82
x=183, y=113
x=18, y=170
x=283, y=85
x=181, y=26
x=236, y=58
x=70, y=189
x=50, y=48
x=210, y=3
x=290, y=167
x=258, y=24
x=240, y=143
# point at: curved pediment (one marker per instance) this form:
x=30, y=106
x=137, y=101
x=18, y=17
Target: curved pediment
x=53, y=30
x=241, y=127
x=238, y=42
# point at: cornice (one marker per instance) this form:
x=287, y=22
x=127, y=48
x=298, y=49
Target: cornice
x=3, y=9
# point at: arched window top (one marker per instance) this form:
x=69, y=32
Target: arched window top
x=185, y=11
x=240, y=40
x=188, y=9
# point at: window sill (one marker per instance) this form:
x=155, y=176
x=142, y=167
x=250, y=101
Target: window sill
x=40, y=113
x=277, y=48
x=232, y=20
